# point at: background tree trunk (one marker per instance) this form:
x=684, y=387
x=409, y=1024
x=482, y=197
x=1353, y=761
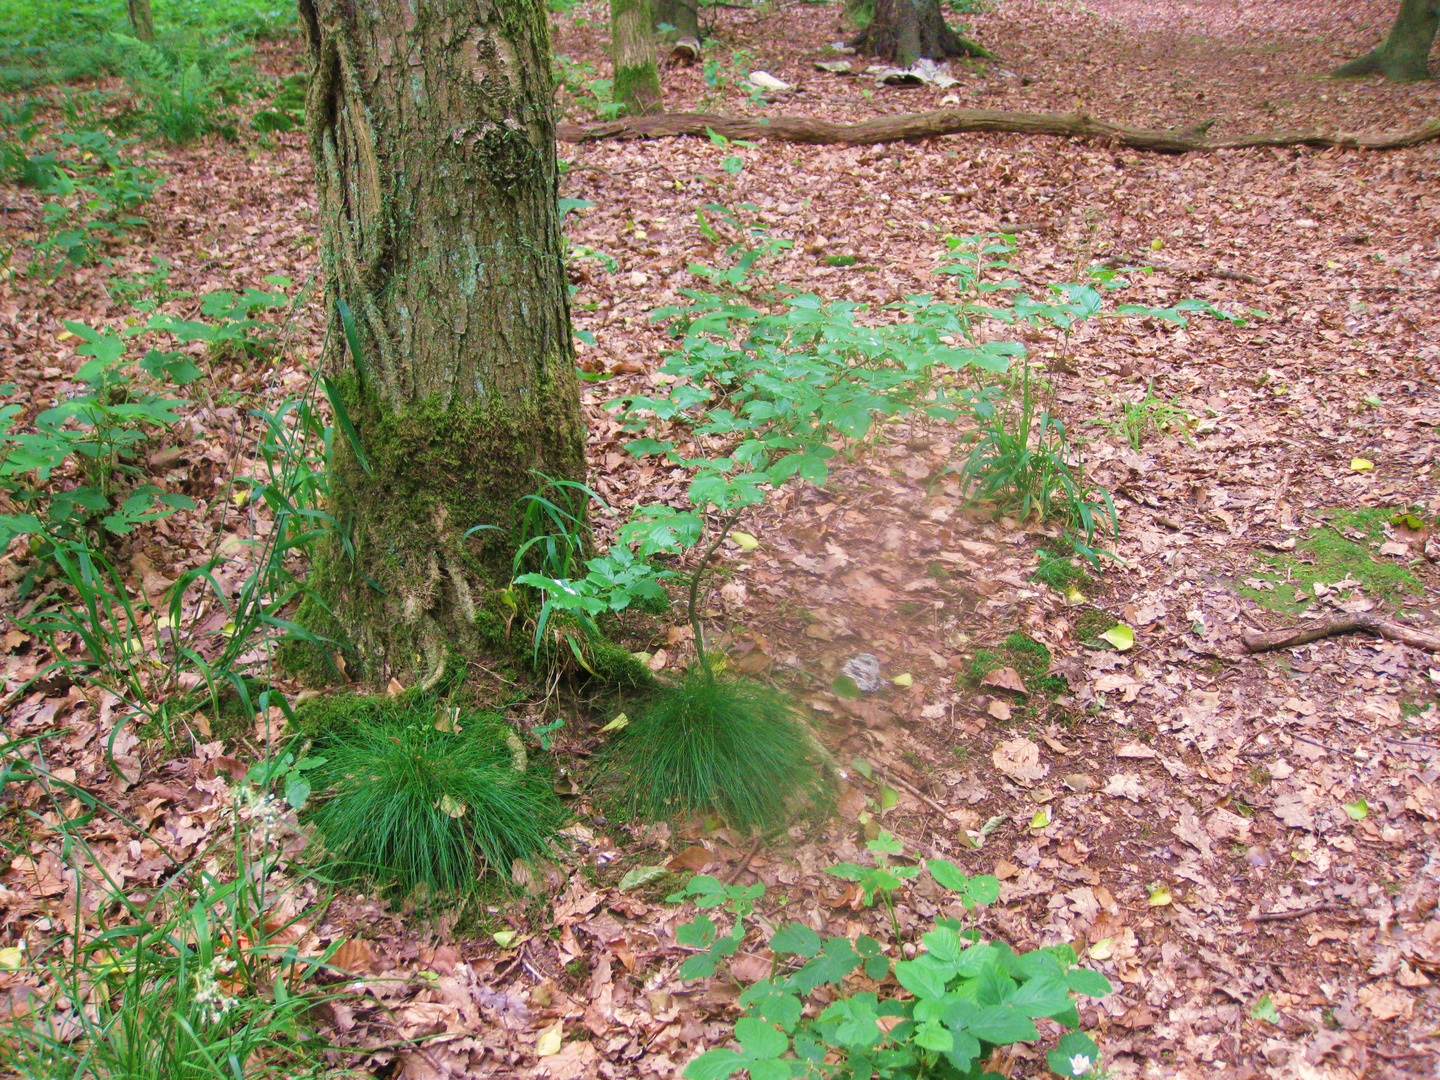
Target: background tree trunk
x=632, y=48
x=683, y=15
x=141, y=21
x=1405, y=54
x=434, y=145
x=902, y=31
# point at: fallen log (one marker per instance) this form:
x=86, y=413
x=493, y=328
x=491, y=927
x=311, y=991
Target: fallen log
x=1345, y=624
x=929, y=125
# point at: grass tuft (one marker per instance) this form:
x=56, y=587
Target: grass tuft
x=727, y=745
x=410, y=805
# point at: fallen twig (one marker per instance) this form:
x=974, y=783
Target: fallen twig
x=1346, y=624
x=1300, y=913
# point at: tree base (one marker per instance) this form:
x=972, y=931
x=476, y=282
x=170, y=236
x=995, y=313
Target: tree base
x=1379, y=62
x=937, y=42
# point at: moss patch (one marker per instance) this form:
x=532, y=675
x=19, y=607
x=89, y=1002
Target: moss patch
x=1344, y=554
x=1027, y=656
x=1059, y=572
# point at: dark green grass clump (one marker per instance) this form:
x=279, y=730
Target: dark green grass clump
x=410, y=804
x=729, y=746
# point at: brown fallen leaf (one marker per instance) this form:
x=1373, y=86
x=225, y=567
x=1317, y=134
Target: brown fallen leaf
x=1019, y=759
x=1007, y=678
x=695, y=858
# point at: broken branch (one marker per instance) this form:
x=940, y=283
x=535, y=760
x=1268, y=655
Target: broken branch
x=1349, y=624
x=928, y=125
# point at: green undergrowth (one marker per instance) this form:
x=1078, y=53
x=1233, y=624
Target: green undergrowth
x=418, y=795
x=716, y=744
x=1028, y=658
x=1021, y=652
x=1342, y=556
x=814, y=1016
x=1090, y=624
x=1059, y=571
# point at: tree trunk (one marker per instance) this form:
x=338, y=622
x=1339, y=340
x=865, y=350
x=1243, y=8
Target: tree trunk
x=449, y=353
x=632, y=47
x=682, y=15
x=141, y=21
x=1405, y=54
x=903, y=31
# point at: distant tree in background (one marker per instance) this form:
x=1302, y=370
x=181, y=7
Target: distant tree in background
x=141, y=21
x=1404, y=56
x=903, y=31
x=683, y=15
x=632, y=48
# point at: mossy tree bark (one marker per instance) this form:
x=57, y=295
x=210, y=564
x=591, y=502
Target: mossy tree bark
x=632, y=48
x=434, y=143
x=903, y=31
x=141, y=21
x=1404, y=56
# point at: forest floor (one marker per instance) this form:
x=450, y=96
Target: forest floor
x=1247, y=846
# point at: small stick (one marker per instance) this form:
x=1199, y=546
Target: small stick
x=1279, y=916
x=1348, y=624
x=743, y=863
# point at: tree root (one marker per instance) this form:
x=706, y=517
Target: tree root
x=929, y=125
x=1348, y=624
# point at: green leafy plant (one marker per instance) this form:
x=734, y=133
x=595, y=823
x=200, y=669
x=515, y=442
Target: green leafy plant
x=141, y=647
x=1023, y=461
x=703, y=933
x=578, y=87
x=1059, y=572
x=1138, y=419
x=965, y=997
x=718, y=744
x=551, y=540
x=91, y=189
x=99, y=430
x=418, y=794
x=882, y=879
x=180, y=100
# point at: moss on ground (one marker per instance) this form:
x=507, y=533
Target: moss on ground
x=1345, y=550
x=1027, y=656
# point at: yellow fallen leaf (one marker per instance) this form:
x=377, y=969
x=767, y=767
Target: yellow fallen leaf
x=1073, y=596
x=903, y=680
x=1042, y=819
x=745, y=540
x=1361, y=464
x=1102, y=949
x=505, y=938
x=451, y=807
x=1120, y=636
x=12, y=959
x=889, y=798
x=1160, y=896
x=616, y=724
x=550, y=1040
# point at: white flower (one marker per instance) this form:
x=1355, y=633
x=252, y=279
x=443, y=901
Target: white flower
x=264, y=810
x=1080, y=1064
x=213, y=1001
